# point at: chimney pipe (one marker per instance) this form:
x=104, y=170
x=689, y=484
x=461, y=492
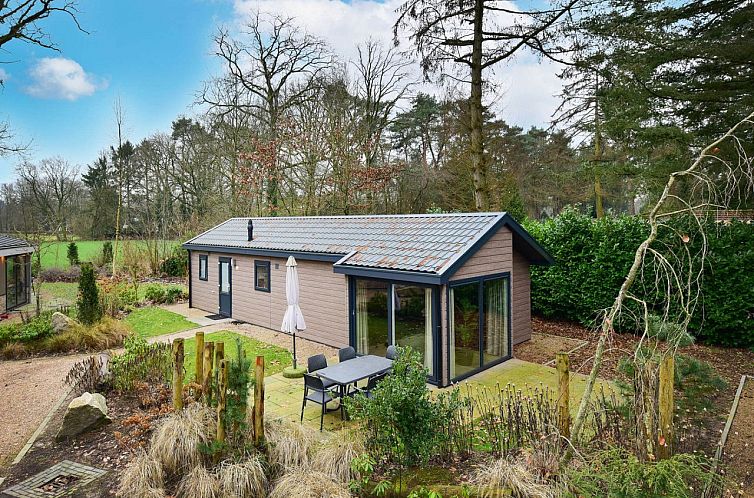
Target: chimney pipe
x=250, y=230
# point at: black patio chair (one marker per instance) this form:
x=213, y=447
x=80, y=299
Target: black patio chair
x=318, y=362
x=392, y=353
x=346, y=354
x=315, y=391
x=372, y=383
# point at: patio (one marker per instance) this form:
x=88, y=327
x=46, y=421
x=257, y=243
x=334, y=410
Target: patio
x=283, y=396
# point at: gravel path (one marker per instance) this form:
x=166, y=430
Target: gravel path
x=28, y=390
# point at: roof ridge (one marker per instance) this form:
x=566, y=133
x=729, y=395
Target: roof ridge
x=352, y=216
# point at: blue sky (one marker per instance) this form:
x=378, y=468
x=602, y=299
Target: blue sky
x=155, y=54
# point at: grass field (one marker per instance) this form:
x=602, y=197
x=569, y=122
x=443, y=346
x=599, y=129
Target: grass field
x=153, y=321
x=54, y=254
x=275, y=358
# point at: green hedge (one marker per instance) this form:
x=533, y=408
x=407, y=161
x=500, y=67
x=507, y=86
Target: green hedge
x=593, y=257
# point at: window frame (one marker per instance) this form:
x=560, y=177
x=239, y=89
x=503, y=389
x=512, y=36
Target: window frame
x=258, y=263
x=479, y=281
x=436, y=376
x=205, y=258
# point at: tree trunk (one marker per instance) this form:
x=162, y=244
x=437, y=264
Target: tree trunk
x=475, y=109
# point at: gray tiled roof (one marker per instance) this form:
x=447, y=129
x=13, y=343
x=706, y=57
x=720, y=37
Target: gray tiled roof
x=424, y=243
x=11, y=245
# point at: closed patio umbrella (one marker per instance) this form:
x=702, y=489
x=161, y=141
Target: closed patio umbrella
x=293, y=320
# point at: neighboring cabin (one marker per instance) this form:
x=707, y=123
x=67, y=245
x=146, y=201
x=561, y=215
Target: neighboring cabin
x=370, y=281
x=15, y=273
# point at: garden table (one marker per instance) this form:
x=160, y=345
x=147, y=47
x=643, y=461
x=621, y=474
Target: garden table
x=351, y=371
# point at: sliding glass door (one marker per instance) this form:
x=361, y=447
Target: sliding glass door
x=479, y=318
x=394, y=313
x=412, y=320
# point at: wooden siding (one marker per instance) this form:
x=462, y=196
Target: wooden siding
x=324, y=296
x=521, y=300
x=497, y=255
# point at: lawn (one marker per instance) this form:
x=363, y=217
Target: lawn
x=54, y=254
x=275, y=357
x=153, y=321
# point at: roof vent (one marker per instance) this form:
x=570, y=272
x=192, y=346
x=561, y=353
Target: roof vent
x=250, y=230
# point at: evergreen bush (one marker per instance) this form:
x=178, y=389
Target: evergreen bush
x=107, y=252
x=592, y=257
x=89, y=310
x=73, y=254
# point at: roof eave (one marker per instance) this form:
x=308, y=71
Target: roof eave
x=389, y=274
x=270, y=253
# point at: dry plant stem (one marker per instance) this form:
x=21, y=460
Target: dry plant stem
x=613, y=312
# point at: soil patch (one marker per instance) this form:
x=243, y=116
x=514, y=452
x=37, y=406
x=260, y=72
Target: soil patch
x=542, y=348
x=739, y=449
x=108, y=448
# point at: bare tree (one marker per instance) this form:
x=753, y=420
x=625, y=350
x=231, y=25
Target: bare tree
x=716, y=176
x=471, y=37
x=275, y=62
x=52, y=188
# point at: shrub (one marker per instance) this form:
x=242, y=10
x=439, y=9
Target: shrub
x=88, y=301
x=73, y=254
x=306, y=483
x=243, y=480
x=178, y=441
x=107, y=252
x=289, y=445
x=141, y=362
x=174, y=293
x=617, y=472
x=334, y=456
x=70, y=274
x=116, y=297
x=592, y=258
x=175, y=265
x=155, y=293
x=105, y=334
x=401, y=416
x=142, y=477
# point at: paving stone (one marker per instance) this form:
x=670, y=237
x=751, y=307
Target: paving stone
x=31, y=488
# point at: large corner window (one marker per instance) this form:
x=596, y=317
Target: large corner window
x=202, y=267
x=479, y=317
x=262, y=276
x=17, y=273
x=394, y=313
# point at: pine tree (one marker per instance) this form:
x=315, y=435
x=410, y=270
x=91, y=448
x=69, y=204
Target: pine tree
x=73, y=254
x=88, y=303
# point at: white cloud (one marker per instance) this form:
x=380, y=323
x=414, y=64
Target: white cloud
x=61, y=78
x=4, y=75
x=528, y=85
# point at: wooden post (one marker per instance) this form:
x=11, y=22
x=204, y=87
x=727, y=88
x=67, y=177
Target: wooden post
x=667, y=407
x=199, y=358
x=219, y=356
x=259, y=402
x=222, y=387
x=177, y=374
x=209, y=356
x=564, y=396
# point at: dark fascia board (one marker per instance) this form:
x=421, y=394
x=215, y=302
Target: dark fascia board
x=269, y=253
x=387, y=274
x=542, y=257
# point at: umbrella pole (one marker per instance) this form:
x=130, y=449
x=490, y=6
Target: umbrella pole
x=294, y=351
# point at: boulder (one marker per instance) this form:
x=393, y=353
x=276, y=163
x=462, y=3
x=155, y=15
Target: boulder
x=60, y=322
x=85, y=413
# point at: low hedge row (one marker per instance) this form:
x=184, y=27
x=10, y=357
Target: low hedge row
x=593, y=257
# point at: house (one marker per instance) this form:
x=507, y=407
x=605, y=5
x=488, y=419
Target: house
x=15, y=272
x=454, y=287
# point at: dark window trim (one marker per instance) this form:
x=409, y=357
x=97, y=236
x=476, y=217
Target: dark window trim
x=205, y=258
x=436, y=377
x=480, y=284
x=266, y=264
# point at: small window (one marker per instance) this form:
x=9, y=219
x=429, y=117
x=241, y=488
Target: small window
x=202, y=267
x=262, y=276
